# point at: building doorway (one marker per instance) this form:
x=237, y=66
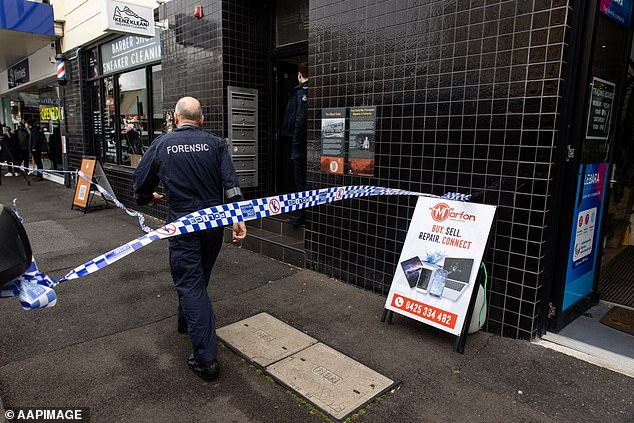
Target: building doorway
x=590, y=304
x=286, y=79
x=290, y=49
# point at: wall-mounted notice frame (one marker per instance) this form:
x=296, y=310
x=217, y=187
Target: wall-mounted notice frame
x=600, y=109
x=361, y=140
x=333, y=135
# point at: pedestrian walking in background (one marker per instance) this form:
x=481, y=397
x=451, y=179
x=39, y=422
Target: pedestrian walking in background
x=5, y=150
x=11, y=141
x=37, y=144
x=23, y=155
x=196, y=170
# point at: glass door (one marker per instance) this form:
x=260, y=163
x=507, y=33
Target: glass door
x=588, y=166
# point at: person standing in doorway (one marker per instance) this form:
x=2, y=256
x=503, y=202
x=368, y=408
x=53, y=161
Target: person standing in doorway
x=196, y=170
x=36, y=144
x=55, y=146
x=296, y=126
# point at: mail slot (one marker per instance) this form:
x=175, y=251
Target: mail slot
x=243, y=118
x=247, y=178
x=242, y=133
x=244, y=163
x=239, y=149
x=242, y=102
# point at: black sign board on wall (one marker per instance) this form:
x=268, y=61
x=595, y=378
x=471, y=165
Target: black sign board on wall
x=18, y=74
x=361, y=140
x=333, y=135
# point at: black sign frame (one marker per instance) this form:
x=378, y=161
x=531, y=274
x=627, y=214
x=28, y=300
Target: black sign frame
x=18, y=74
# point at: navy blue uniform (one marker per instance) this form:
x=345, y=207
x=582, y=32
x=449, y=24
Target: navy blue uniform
x=296, y=125
x=196, y=170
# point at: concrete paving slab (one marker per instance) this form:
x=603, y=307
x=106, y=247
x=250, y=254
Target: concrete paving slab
x=263, y=339
x=332, y=381
x=47, y=236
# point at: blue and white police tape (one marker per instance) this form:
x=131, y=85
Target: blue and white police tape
x=104, y=192
x=34, y=288
x=242, y=211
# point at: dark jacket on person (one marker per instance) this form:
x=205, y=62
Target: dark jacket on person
x=54, y=143
x=37, y=140
x=296, y=119
x=23, y=138
x=6, y=152
x=195, y=168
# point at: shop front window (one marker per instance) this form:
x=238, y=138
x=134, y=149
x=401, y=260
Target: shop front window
x=93, y=63
x=109, y=140
x=159, y=120
x=133, y=119
x=95, y=116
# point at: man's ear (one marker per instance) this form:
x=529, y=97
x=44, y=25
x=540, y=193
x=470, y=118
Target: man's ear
x=202, y=119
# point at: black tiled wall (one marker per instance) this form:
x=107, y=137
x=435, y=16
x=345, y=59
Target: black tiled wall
x=468, y=94
x=74, y=111
x=192, y=60
x=246, y=47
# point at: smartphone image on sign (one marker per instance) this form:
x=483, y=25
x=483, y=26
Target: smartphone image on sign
x=437, y=285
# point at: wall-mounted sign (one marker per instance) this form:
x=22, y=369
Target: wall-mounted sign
x=130, y=51
x=361, y=140
x=584, y=239
x=49, y=101
x=600, y=109
x=439, y=263
x=126, y=18
x=49, y=113
x=18, y=74
x=333, y=134
x=618, y=10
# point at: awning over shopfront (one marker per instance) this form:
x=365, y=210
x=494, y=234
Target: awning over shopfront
x=25, y=27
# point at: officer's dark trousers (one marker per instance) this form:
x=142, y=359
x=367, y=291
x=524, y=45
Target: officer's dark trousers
x=192, y=256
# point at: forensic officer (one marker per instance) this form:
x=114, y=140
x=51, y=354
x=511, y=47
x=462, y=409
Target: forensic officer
x=295, y=125
x=196, y=169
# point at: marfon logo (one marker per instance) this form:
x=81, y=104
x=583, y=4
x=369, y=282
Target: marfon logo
x=442, y=211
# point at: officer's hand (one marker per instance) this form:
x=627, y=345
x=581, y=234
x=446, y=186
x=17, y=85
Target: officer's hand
x=239, y=231
x=156, y=198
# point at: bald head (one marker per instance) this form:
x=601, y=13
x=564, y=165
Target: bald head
x=188, y=111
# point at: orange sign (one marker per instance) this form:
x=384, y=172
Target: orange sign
x=434, y=314
x=82, y=190
x=332, y=164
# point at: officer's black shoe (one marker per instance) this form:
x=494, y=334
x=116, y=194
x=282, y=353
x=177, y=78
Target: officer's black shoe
x=182, y=326
x=207, y=371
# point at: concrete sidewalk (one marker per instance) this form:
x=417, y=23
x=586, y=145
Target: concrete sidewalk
x=111, y=343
